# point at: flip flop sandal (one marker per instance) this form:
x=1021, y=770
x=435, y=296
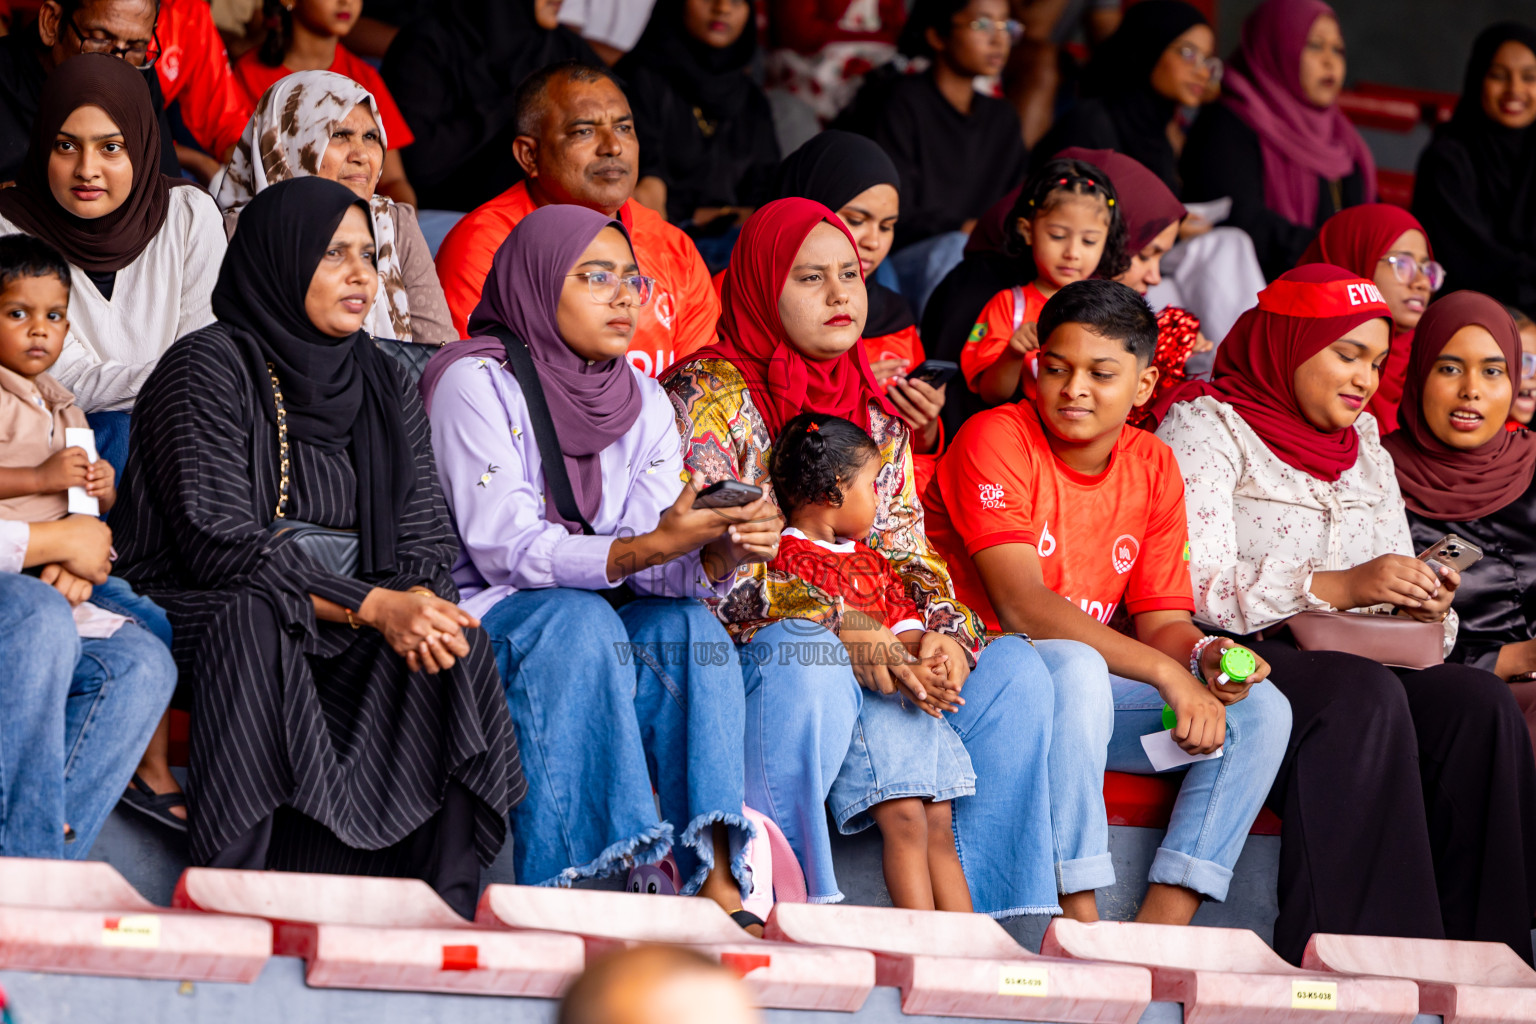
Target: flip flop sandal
x=143, y=800
x=746, y=919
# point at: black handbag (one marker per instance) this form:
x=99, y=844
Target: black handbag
x=555, y=477
x=413, y=355
x=335, y=551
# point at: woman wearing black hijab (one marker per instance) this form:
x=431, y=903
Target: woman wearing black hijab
x=344, y=719
x=454, y=74
x=853, y=176
x=700, y=114
x=1158, y=61
x=1475, y=191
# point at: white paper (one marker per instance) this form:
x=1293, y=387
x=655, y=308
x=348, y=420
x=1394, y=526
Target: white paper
x=1213, y=211
x=81, y=503
x=1164, y=753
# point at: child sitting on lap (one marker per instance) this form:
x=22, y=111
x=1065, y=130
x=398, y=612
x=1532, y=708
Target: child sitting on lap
x=902, y=768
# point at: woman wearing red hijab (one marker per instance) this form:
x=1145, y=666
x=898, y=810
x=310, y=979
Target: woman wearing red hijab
x=794, y=307
x=1294, y=506
x=1385, y=245
x=1277, y=143
x=1463, y=473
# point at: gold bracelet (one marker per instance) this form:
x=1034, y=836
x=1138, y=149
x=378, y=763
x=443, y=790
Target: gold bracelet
x=350, y=620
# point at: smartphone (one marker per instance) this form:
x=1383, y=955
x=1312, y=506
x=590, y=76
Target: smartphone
x=1452, y=552
x=934, y=372
x=727, y=494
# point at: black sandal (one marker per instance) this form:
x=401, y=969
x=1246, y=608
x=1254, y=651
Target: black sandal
x=143, y=800
x=746, y=919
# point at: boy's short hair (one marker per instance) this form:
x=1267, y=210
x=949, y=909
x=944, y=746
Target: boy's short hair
x=1108, y=309
x=26, y=256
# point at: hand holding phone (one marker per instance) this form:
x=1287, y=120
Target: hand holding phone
x=934, y=372
x=1451, y=552
x=727, y=494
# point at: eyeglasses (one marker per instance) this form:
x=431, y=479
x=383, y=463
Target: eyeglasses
x=604, y=286
x=1407, y=268
x=989, y=26
x=141, y=53
x=1190, y=54
x=1527, y=365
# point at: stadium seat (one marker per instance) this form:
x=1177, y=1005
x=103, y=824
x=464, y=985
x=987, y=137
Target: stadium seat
x=385, y=933
x=1395, y=187
x=779, y=975
x=965, y=965
x=1146, y=801
x=1463, y=982
x=1229, y=976
x=82, y=917
x=1387, y=113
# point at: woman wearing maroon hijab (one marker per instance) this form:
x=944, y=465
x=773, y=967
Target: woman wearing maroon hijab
x=1385, y=245
x=591, y=691
x=794, y=307
x=1395, y=779
x=1463, y=473
x=1277, y=143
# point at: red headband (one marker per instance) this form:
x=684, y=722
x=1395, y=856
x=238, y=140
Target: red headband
x=1323, y=300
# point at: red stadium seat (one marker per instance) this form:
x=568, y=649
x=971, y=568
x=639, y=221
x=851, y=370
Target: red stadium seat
x=965, y=965
x=385, y=933
x=1229, y=976
x=1385, y=112
x=1395, y=187
x=82, y=917
x=779, y=975
x=1464, y=982
x=1146, y=801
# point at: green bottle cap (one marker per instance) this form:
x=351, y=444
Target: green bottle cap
x=1169, y=718
x=1238, y=663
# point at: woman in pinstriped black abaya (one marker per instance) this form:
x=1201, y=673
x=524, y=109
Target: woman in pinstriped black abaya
x=344, y=724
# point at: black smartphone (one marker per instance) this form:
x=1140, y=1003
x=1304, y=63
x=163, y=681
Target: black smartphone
x=934, y=372
x=727, y=494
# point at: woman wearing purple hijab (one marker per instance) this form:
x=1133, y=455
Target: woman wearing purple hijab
x=598, y=692
x=1277, y=143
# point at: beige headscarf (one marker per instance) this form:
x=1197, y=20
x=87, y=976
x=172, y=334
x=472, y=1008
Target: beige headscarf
x=290, y=131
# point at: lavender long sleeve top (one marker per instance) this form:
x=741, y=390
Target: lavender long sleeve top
x=493, y=480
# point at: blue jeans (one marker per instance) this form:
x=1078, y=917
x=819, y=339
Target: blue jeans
x=608, y=705
x=922, y=265
x=802, y=703
x=117, y=595
x=111, y=438
x=75, y=716
x=1098, y=722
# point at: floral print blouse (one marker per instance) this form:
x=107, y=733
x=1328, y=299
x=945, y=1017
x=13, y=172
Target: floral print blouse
x=1259, y=529
x=725, y=437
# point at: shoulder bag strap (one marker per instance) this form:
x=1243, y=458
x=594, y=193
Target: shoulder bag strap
x=555, y=477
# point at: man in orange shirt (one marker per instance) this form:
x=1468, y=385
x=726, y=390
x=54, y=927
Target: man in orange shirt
x=1051, y=515
x=576, y=142
x=194, y=71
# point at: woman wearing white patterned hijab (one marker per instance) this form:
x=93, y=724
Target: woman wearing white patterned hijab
x=324, y=124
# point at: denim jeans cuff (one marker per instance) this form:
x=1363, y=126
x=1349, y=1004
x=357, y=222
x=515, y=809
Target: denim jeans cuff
x=852, y=820
x=699, y=837
x=646, y=847
x=1086, y=873
x=1045, y=910
x=1209, y=879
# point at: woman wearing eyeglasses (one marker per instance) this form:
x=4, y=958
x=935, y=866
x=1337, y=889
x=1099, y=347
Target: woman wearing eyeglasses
x=1386, y=245
x=1277, y=144
x=599, y=693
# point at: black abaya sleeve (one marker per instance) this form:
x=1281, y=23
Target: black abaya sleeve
x=198, y=503
x=1222, y=158
x=1445, y=199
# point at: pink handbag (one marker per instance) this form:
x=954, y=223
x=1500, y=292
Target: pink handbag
x=1392, y=640
x=776, y=872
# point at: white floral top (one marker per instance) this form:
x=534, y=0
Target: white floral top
x=1259, y=529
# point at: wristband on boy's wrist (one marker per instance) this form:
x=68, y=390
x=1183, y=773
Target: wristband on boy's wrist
x=1197, y=652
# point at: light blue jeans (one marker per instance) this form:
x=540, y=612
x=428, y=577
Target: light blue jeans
x=1098, y=722
x=921, y=266
x=75, y=716
x=802, y=703
x=609, y=704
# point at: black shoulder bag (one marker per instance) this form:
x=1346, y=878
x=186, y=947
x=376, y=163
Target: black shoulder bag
x=335, y=551
x=555, y=477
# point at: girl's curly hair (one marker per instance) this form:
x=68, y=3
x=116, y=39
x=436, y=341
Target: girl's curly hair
x=1053, y=182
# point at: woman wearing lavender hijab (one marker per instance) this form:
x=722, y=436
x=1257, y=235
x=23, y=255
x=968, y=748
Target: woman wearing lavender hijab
x=610, y=697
